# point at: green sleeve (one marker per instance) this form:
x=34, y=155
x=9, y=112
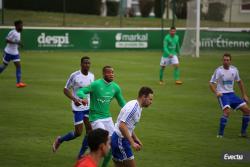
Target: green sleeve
x=82, y=92
x=120, y=99
x=178, y=46
x=165, y=45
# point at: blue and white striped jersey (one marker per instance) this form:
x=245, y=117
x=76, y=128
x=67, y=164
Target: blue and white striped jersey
x=129, y=114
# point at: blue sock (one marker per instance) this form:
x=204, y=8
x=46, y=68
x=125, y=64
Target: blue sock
x=2, y=67
x=18, y=75
x=69, y=136
x=245, y=120
x=223, y=122
x=84, y=146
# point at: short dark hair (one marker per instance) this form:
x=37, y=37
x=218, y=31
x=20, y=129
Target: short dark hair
x=145, y=91
x=172, y=28
x=84, y=58
x=227, y=55
x=105, y=67
x=18, y=22
x=96, y=138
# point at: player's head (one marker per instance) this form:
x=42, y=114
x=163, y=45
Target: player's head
x=98, y=140
x=172, y=31
x=145, y=95
x=85, y=64
x=108, y=73
x=18, y=25
x=226, y=60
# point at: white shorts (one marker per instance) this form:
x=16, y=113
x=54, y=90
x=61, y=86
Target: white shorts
x=106, y=124
x=168, y=61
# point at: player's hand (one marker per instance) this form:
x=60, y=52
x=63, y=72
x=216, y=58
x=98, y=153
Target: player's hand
x=246, y=98
x=84, y=102
x=218, y=94
x=77, y=102
x=138, y=142
x=136, y=146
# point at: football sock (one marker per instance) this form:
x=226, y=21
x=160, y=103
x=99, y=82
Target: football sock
x=18, y=75
x=69, y=136
x=161, y=74
x=223, y=122
x=245, y=120
x=2, y=67
x=106, y=159
x=84, y=146
x=176, y=74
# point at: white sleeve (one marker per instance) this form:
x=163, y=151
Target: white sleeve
x=70, y=81
x=237, y=76
x=128, y=114
x=215, y=77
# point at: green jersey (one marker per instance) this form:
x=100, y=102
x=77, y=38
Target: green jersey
x=101, y=94
x=171, y=45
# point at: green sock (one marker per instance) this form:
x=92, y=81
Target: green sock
x=106, y=159
x=176, y=74
x=161, y=74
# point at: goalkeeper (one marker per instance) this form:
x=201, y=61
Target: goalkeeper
x=170, y=55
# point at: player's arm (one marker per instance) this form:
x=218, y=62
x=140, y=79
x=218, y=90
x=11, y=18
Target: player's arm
x=213, y=86
x=68, y=94
x=124, y=130
x=165, y=46
x=243, y=90
x=82, y=93
x=178, y=47
x=119, y=97
x=11, y=39
x=213, y=83
x=136, y=139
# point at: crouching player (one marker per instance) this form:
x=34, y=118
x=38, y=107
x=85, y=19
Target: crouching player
x=124, y=136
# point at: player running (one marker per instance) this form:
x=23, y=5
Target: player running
x=102, y=91
x=11, y=52
x=78, y=79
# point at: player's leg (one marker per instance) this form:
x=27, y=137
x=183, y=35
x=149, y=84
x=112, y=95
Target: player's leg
x=129, y=163
x=6, y=60
x=93, y=125
x=225, y=106
x=223, y=121
x=245, y=119
x=176, y=73
x=121, y=151
x=119, y=164
x=17, y=63
x=163, y=63
x=78, y=123
x=109, y=126
x=88, y=128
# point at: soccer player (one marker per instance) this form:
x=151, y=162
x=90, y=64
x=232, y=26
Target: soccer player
x=99, y=144
x=170, y=55
x=124, y=136
x=11, y=52
x=222, y=85
x=102, y=91
x=77, y=79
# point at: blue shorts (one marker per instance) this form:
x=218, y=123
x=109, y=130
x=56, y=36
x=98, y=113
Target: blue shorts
x=79, y=116
x=120, y=148
x=8, y=57
x=230, y=100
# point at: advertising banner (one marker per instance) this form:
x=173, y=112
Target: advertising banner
x=120, y=39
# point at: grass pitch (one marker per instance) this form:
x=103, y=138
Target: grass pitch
x=179, y=129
